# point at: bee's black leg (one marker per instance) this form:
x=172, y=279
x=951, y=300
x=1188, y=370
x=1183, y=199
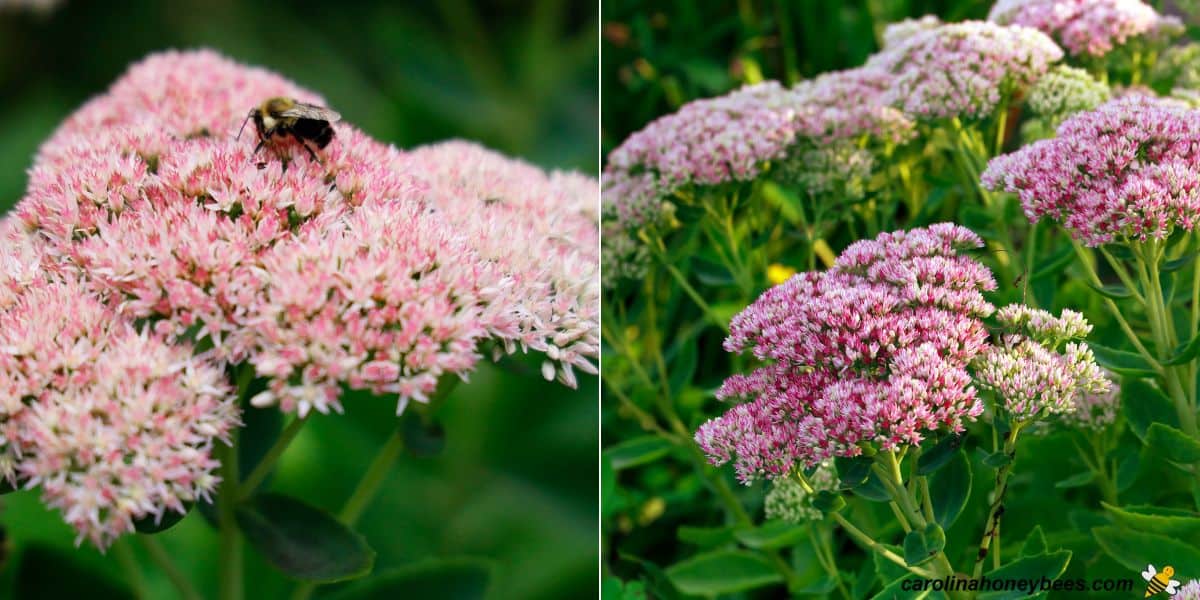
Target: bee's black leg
x=311, y=154
x=257, y=148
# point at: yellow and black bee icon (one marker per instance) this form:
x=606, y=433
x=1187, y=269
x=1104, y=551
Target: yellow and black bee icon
x=1160, y=582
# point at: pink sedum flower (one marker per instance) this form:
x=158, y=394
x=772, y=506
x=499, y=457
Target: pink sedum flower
x=874, y=350
x=169, y=219
x=1031, y=377
x=1086, y=27
x=113, y=424
x=963, y=69
x=152, y=251
x=1125, y=171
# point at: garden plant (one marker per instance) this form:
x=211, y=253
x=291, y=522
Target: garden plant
x=176, y=304
x=933, y=316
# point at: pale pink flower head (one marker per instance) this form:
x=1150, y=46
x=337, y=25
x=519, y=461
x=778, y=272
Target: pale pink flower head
x=1087, y=27
x=963, y=69
x=369, y=267
x=1123, y=172
x=1031, y=376
x=114, y=425
x=1095, y=411
x=873, y=351
x=538, y=233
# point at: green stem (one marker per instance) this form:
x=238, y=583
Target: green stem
x=869, y=543
x=363, y=494
x=368, y=486
x=133, y=573
x=230, y=555
x=991, y=531
x=260, y=472
x=164, y=562
x=1086, y=261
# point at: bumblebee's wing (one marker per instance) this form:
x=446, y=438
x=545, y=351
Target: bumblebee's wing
x=311, y=111
x=1172, y=587
x=1149, y=572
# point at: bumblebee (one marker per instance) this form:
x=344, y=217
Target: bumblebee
x=282, y=117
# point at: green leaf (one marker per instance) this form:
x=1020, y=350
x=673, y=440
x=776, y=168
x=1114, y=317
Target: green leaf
x=169, y=518
x=886, y=569
x=940, y=454
x=1173, y=522
x=303, y=542
x=6, y=487
x=828, y=502
x=852, y=471
x=723, y=572
x=1173, y=444
x=1122, y=362
x=1135, y=549
x=450, y=578
x=705, y=537
x=771, y=535
x=43, y=572
x=1144, y=405
x=1050, y=566
x=1185, y=352
x=710, y=273
x=873, y=489
x=1077, y=480
x=997, y=459
x=1055, y=263
x=423, y=436
x=1171, y=266
x=950, y=487
x=683, y=368
x=1113, y=291
x=637, y=451
x=920, y=546
x=1035, y=542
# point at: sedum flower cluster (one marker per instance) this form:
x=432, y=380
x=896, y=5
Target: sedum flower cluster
x=787, y=500
x=1125, y=171
x=1064, y=91
x=822, y=135
x=1087, y=27
x=1030, y=376
x=113, y=422
x=873, y=351
x=963, y=69
x=181, y=253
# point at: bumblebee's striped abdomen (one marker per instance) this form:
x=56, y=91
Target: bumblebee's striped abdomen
x=320, y=132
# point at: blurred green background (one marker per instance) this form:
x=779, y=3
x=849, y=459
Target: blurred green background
x=517, y=481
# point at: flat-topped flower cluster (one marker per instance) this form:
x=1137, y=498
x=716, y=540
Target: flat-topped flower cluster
x=1125, y=171
x=1087, y=27
x=182, y=254
x=875, y=350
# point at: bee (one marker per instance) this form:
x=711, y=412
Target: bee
x=1160, y=582
x=281, y=117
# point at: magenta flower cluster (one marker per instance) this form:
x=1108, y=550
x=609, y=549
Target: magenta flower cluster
x=1086, y=27
x=1125, y=171
x=179, y=253
x=962, y=69
x=873, y=351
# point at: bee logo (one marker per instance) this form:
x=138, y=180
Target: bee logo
x=283, y=117
x=1160, y=582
